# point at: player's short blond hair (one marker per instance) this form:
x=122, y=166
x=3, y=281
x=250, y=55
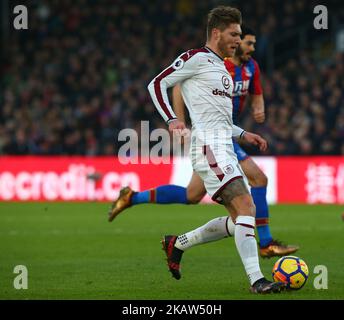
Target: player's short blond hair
x=221, y=17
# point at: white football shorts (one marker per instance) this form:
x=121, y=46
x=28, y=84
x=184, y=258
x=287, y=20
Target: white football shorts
x=217, y=165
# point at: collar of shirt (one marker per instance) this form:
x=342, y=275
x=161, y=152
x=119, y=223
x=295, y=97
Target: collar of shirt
x=214, y=53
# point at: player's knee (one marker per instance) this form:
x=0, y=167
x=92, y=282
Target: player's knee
x=248, y=208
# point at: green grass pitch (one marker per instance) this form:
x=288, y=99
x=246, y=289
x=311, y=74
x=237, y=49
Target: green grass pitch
x=72, y=252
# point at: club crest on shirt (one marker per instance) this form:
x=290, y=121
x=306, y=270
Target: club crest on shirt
x=228, y=169
x=248, y=72
x=178, y=64
x=225, y=82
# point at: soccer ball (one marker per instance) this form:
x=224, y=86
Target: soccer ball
x=290, y=270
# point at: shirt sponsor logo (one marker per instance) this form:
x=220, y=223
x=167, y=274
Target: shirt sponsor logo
x=222, y=93
x=241, y=87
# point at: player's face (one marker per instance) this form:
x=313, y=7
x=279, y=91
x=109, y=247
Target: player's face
x=229, y=40
x=246, y=48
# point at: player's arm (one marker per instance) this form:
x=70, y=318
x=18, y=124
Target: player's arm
x=258, y=109
x=250, y=137
x=182, y=68
x=178, y=102
x=256, y=93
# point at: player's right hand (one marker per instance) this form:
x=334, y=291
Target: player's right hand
x=176, y=127
x=179, y=131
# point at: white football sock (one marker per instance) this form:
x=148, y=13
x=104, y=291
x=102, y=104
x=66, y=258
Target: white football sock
x=247, y=246
x=213, y=230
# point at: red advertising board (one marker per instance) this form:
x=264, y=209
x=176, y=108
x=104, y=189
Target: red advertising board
x=310, y=180
x=74, y=178
x=29, y=178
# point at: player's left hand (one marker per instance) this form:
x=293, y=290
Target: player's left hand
x=256, y=140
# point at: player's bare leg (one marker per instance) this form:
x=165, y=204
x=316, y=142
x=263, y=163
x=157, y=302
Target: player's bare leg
x=268, y=246
x=195, y=190
x=236, y=196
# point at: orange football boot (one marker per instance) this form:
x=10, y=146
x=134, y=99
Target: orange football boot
x=123, y=202
x=277, y=249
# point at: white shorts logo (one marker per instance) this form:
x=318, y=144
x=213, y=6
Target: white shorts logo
x=178, y=64
x=228, y=169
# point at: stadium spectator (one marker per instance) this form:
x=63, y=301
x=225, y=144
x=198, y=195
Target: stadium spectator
x=79, y=75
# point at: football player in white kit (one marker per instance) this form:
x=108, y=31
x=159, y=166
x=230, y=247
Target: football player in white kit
x=207, y=91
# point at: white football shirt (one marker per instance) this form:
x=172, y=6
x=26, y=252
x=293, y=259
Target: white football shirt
x=206, y=87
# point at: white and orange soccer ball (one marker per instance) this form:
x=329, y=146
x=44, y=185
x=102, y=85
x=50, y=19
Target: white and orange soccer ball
x=291, y=270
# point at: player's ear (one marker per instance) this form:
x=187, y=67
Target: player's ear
x=215, y=33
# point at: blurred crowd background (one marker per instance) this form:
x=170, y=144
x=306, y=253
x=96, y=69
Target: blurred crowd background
x=79, y=74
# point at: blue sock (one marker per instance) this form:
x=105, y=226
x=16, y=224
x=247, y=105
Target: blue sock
x=140, y=197
x=161, y=195
x=262, y=215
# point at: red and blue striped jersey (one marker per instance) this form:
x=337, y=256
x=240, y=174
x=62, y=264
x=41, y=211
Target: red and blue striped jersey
x=246, y=80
